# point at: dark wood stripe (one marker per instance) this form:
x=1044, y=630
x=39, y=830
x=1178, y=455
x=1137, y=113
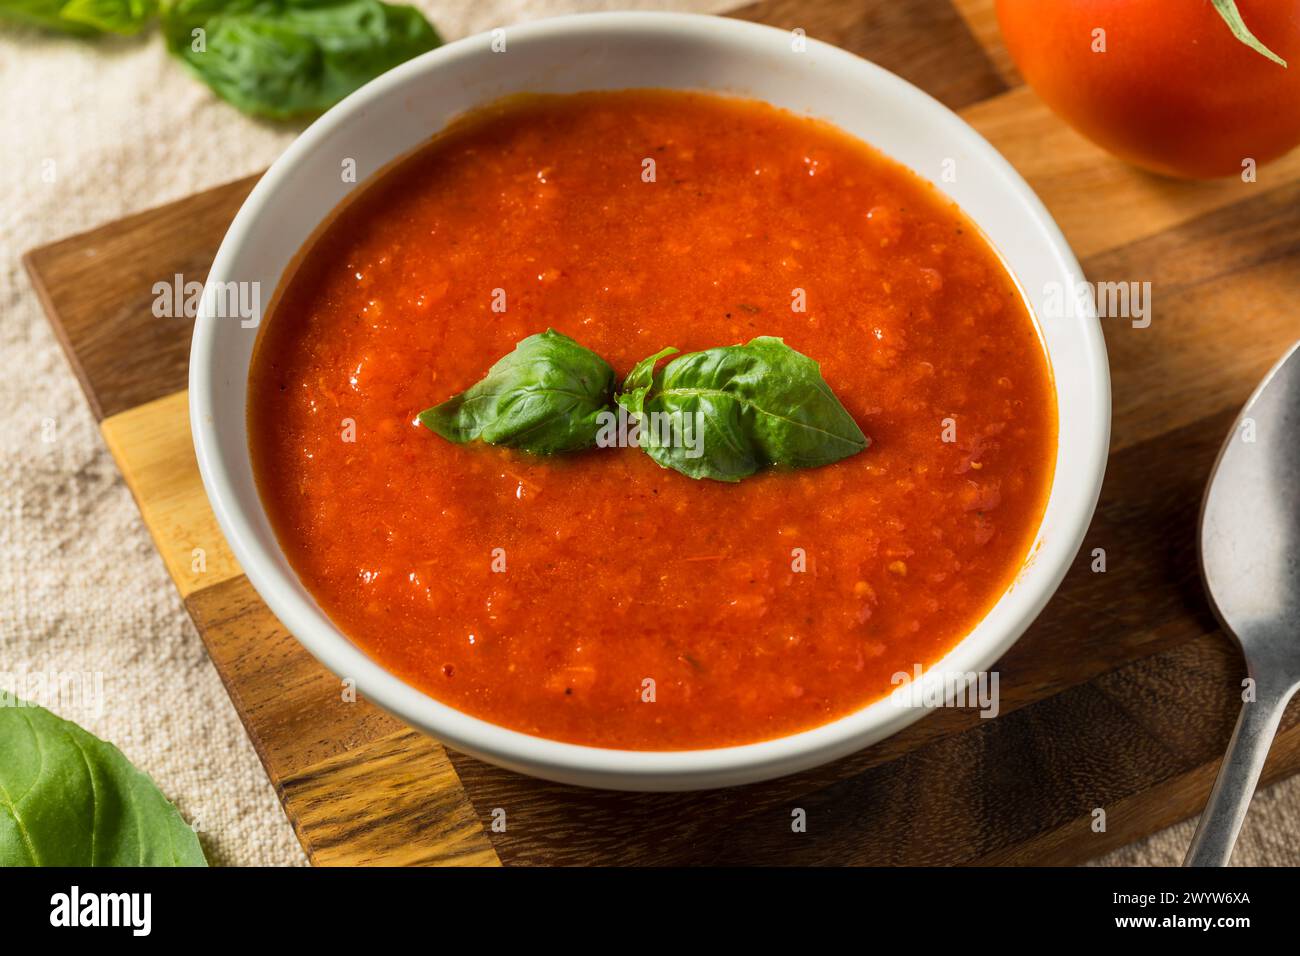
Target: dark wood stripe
x=97, y=287
x=293, y=708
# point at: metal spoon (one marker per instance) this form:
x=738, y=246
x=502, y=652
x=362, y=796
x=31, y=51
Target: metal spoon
x=1250, y=558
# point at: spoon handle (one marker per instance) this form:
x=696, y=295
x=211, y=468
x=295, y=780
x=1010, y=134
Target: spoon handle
x=1238, y=774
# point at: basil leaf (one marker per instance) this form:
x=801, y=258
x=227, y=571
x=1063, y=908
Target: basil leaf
x=113, y=16
x=544, y=397
x=42, y=13
x=727, y=412
x=68, y=798
x=287, y=58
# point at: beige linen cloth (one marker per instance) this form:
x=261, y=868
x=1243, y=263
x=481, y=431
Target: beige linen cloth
x=89, y=132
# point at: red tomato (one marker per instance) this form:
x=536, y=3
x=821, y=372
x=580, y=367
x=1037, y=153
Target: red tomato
x=1167, y=85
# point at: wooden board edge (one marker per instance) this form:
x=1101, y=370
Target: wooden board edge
x=32, y=265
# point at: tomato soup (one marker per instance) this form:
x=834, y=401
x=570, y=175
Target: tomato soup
x=596, y=597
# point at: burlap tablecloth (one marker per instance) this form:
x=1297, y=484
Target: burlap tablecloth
x=91, y=131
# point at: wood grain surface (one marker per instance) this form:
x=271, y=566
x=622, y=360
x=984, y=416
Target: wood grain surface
x=1116, y=705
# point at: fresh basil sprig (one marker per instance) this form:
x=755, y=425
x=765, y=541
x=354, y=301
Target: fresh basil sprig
x=68, y=798
x=724, y=413
x=287, y=58
x=544, y=397
x=753, y=405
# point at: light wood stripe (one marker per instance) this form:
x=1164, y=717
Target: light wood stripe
x=152, y=446
x=394, y=802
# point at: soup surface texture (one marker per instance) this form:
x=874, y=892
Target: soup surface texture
x=597, y=598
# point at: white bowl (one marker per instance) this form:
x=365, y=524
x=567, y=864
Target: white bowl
x=405, y=107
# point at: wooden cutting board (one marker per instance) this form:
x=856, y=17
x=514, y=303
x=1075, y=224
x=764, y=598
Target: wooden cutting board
x=1120, y=698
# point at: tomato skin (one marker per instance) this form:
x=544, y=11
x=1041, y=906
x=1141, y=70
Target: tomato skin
x=1174, y=92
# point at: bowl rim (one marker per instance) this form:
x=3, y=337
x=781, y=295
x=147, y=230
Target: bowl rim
x=598, y=766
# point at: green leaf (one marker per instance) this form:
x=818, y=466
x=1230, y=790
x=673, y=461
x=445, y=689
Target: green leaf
x=42, y=13
x=68, y=798
x=726, y=413
x=544, y=397
x=287, y=58
x=113, y=16
x=1232, y=17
